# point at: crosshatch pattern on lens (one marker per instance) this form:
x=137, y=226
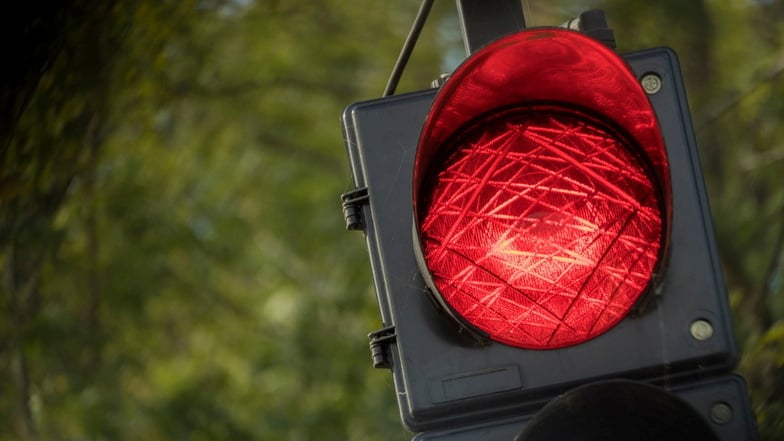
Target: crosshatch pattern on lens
x=542, y=228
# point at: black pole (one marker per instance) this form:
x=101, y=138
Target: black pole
x=483, y=21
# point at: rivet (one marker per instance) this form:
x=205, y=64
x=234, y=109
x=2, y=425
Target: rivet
x=721, y=413
x=701, y=330
x=652, y=83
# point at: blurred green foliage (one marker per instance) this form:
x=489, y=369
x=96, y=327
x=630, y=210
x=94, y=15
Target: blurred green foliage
x=174, y=260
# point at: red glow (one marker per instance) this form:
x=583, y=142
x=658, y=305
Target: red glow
x=539, y=223
x=541, y=229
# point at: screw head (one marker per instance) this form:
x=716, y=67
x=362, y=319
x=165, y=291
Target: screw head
x=721, y=413
x=651, y=83
x=701, y=330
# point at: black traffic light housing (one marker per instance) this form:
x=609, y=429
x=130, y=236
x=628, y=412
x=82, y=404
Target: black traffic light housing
x=451, y=387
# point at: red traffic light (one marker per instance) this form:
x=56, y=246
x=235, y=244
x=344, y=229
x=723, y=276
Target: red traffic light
x=541, y=191
x=544, y=208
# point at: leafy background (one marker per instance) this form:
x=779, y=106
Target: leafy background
x=174, y=260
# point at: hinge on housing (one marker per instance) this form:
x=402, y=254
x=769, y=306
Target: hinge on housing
x=379, y=345
x=352, y=207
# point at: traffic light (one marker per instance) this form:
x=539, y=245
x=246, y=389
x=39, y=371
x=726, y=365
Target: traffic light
x=542, y=249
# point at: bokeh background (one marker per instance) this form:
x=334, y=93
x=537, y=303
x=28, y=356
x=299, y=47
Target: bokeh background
x=174, y=259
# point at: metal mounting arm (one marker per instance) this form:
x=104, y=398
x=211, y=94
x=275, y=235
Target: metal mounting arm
x=482, y=21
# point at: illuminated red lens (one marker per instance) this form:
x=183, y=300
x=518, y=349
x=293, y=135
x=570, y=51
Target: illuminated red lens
x=541, y=190
x=542, y=228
